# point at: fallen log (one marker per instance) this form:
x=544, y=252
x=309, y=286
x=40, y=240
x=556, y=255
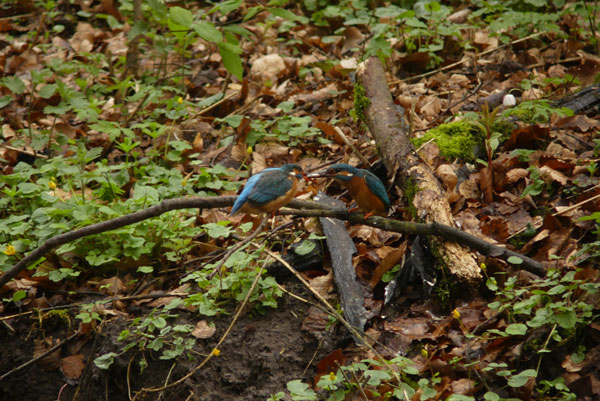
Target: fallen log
x=391, y=135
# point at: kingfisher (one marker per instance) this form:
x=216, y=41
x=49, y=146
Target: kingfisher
x=268, y=190
x=366, y=188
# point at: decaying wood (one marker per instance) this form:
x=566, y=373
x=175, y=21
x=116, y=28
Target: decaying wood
x=390, y=133
x=341, y=248
x=587, y=100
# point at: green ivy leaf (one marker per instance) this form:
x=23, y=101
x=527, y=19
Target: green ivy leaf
x=210, y=100
x=215, y=230
x=104, y=361
x=228, y=6
x=521, y=378
x=47, y=91
x=516, y=329
x=5, y=101
x=515, y=260
x=181, y=16
x=231, y=59
x=305, y=248
x=286, y=14
x=460, y=397
x=300, y=391
x=14, y=84
x=19, y=295
x=208, y=32
x=145, y=269
x=566, y=319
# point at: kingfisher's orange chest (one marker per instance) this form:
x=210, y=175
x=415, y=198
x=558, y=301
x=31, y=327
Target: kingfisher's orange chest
x=364, y=197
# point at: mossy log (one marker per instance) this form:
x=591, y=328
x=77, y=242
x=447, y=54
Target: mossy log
x=390, y=132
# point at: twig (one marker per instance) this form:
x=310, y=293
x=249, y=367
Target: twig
x=163, y=207
x=212, y=106
x=538, y=224
x=451, y=66
x=555, y=62
x=465, y=97
x=446, y=232
x=129, y=298
x=25, y=152
x=362, y=158
x=37, y=358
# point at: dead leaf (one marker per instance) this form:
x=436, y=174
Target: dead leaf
x=549, y=175
x=486, y=184
x=392, y=258
x=529, y=137
x=204, y=330
x=352, y=38
x=268, y=67
x=580, y=122
x=323, y=284
x=51, y=361
x=72, y=366
x=483, y=40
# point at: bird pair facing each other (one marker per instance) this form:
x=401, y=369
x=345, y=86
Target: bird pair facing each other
x=275, y=187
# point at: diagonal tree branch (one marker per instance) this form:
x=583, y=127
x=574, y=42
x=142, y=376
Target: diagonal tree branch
x=157, y=210
x=314, y=210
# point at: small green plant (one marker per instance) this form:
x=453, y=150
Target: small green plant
x=378, y=378
x=536, y=111
x=486, y=124
x=592, y=167
x=153, y=333
x=537, y=184
x=546, y=302
x=232, y=283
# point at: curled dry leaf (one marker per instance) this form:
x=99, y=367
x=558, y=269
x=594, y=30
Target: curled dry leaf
x=323, y=284
x=431, y=107
x=392, y=257
x=550, y=175
x=447, y=174
x=204, y=330
x=483, y=40
x=268, y=67
x=515, y=175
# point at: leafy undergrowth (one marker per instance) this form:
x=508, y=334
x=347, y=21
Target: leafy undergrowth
x=104, y=114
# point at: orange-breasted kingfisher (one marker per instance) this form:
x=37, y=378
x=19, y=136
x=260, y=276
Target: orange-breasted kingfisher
x=364, y=187
x=268, y=190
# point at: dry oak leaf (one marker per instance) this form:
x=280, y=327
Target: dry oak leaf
x=558, y=151
x=446, y=172
x=431, y=107
x=581, y=122
x=204, y=330
x=515, y=175
x=50, y=361
x=548, y=174
x=483, y=41
x=72, y=366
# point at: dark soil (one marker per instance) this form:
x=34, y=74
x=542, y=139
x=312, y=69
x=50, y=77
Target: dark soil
x=260, y=355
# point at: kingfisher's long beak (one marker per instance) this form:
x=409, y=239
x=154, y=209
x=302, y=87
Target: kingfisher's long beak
x=308, y=177
x=319, y=175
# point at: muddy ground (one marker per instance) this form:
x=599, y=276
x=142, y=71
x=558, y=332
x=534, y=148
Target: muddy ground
x=261, y=354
